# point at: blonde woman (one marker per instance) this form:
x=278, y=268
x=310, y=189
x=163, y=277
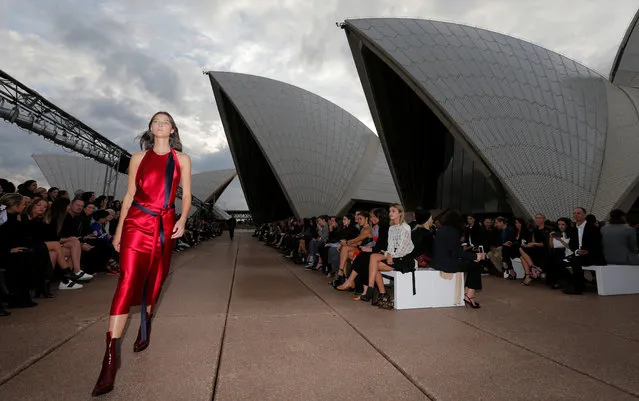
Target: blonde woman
x=397, y=256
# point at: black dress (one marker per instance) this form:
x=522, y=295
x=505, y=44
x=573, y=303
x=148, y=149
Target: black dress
x=29, y=268
x=449, y=257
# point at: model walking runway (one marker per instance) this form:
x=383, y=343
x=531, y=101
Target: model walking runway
x=145, y=235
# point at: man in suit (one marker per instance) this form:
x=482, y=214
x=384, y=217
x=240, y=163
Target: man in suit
x=585, y=242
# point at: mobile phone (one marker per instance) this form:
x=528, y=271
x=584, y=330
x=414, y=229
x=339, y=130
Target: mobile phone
x=481, y=249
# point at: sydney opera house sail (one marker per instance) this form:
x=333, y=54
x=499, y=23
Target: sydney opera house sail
x=296, y=153
x=625, y=68
x=485, y=122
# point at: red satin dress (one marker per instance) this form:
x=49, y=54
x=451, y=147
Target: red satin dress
x=146, y=245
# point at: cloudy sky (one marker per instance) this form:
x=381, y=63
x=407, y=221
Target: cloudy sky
x=113, y=63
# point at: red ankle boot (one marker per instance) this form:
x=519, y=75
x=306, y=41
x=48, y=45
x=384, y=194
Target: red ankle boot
x=144, y=333
x=110, y=366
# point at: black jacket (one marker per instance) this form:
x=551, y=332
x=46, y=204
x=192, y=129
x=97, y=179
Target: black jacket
x=448, y=255
x=423, y=241
x=591, y=242
x=349, y=232
x=474, y=234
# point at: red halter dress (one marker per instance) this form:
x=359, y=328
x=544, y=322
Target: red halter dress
x=146, y=245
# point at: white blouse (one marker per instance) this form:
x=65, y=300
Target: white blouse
x=399, y=240
x=558, y=245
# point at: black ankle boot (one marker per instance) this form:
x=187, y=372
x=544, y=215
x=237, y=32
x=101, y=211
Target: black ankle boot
x=368, y=295
x=44, y=291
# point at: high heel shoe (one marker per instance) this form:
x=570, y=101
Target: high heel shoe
x=367, y=295
x=110, y=366
x=471, y=302
x=144, y=334
x=527, y=280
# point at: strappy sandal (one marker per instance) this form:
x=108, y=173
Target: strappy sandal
x=527, y=280
x=470, y=302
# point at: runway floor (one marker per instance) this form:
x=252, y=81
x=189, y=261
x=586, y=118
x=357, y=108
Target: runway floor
x=239, y=322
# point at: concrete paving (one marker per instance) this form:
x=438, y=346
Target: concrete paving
x=239, y=322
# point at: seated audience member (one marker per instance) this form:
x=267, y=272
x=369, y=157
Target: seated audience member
x=27, y=262
x=522, y=238
x=535, y=252
x=95, y=252
x=28, y=188
x=61, y=228
x=309, y=231
x=87, y=197
x=397, y=256
x=592, y=219
x=559, y=244
x=333, y=237
x=585, y=242
x=52, y=194
x=101, y=202
x=449, y=257
x=37, y=230
x=368, y=254
x=6, y=187
x=422, y=237
x=350, y=248
x=473, y=233
x=501, y=255
x=111, y=222
x=97, y=226
x=619, y=240
x=318, y=242
x=348, y=231
x=41, y=193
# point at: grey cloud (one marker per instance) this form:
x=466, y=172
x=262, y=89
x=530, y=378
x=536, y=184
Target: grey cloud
x=122, y=62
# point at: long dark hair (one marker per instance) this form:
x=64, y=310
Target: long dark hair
x=147, y=139
x=617, y=216
x=382, y=215
x=57, y=213
x=452, y=218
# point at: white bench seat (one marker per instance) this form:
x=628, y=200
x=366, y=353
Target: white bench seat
x=616, y=279
x=432, y=290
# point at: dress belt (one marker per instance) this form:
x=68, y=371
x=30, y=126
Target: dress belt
x=159, y=213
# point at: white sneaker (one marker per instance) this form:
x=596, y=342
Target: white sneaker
x=70, y=285
x=82, y=276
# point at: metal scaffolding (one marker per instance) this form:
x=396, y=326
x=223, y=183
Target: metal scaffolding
x=29, y=110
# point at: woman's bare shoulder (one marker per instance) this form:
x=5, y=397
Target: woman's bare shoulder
x=137, y=156
x=182, y=155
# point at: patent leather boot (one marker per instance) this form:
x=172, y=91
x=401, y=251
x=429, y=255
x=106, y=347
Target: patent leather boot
x=144, y=333
x=110, y=366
